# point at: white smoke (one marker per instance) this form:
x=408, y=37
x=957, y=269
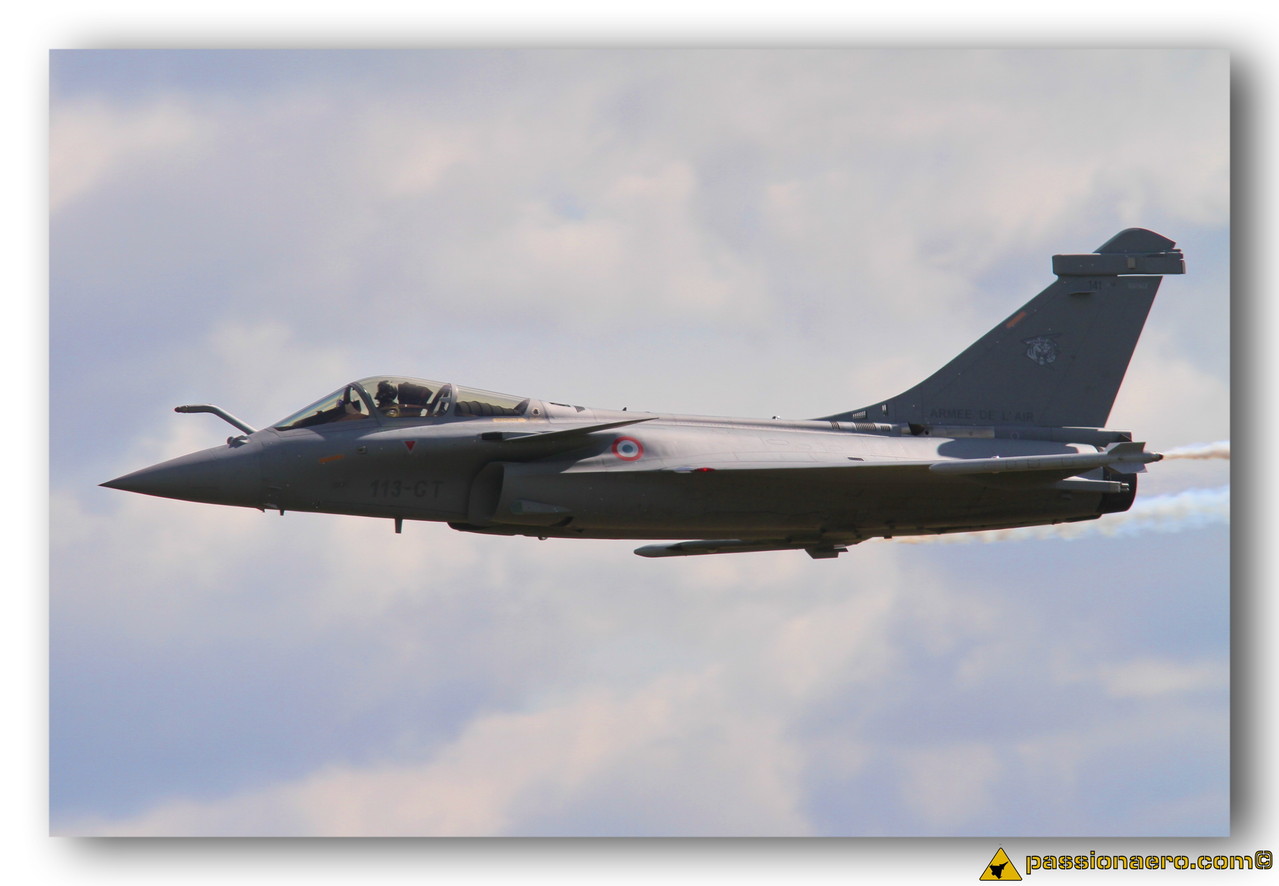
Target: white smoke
x=1177, y=512
x=1220, y=449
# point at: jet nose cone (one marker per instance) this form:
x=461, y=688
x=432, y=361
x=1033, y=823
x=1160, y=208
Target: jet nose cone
x=222, y=475
x=195, y=477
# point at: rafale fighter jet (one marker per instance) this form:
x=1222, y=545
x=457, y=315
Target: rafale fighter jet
x=1009, y=433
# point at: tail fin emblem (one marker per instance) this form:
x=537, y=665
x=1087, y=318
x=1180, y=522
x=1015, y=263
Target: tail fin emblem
x=1042, y=349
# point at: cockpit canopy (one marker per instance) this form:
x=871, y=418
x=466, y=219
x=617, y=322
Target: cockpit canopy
x=390, y=398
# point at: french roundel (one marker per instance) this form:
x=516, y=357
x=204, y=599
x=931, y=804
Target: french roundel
x=628, y=448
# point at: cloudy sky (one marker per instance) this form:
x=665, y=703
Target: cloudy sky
x=749, y=233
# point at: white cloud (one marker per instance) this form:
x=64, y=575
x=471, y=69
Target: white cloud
x=674, y=760
x=1146, y=677
x=1162, y=388
x=408, y=158
x=951, y=787
x=263, y=366
x=690, y=701
x=90, y=142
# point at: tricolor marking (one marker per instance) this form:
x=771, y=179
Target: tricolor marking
x=628, y=448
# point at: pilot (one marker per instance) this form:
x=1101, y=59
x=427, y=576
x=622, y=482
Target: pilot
x=385, y=398
x=414, y=398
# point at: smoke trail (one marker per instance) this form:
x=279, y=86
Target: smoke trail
x=1178, y=512
x=1220, y=449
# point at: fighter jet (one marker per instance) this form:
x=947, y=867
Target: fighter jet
x=1010, y=433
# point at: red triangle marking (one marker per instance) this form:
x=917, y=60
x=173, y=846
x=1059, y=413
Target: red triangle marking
x=410, y=444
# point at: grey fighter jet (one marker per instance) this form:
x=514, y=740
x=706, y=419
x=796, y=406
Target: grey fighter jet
x=1009, y=433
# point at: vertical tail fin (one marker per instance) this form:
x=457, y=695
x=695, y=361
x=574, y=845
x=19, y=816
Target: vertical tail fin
x=1058, y=361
